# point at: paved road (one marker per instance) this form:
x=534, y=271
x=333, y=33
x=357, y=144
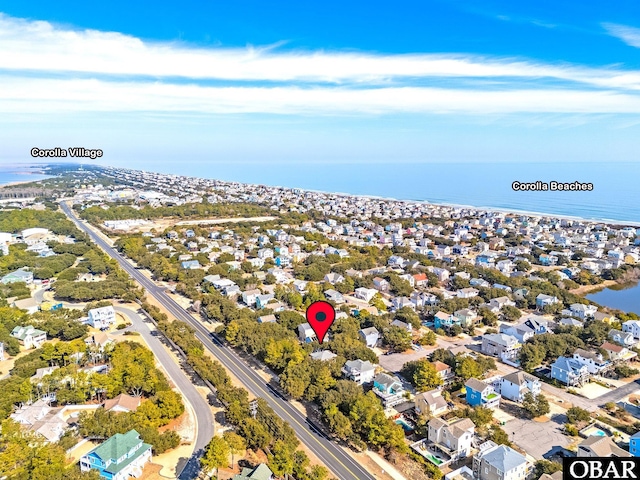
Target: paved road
x=337, y=460
x=203, y=415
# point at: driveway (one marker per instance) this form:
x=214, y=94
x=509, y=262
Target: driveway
x=538, y=438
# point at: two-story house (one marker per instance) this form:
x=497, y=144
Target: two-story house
x=482, y=394
x=521, y=332
x=596, y=446
x=118, y=458
x=466, y=316
x=624, y=338
x=499, y=462
x=430, y=403
x=381, y=284
x=359, y=371
x=306, y=333
x=594, y=362
x=506, y=347
x=249, y=297
x=445, y=320
x=569, y=371
x=543, y=300
x=370, y=335
x=389, y=389
x=445, y=372
x=633, y=327
x=365, y=294
x=515, y=385
x=454, y=437
x=618, y=353
x=29, y=336
x=102, y=317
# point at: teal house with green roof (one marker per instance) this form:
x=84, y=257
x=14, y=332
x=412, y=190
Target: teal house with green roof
x=122, y=456
x=261, y=472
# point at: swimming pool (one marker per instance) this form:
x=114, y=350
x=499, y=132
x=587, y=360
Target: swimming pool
x=593, y=431
x=405, y=425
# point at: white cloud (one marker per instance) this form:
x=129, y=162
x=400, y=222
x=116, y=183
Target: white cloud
x=42, y=47
x=29, y=95
x=327, y=83
x=629, y=35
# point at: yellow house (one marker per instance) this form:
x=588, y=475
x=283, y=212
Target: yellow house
x=605, y=317
x=631, y=258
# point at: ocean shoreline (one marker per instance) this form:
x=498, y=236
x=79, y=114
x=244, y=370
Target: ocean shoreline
x=489, y=209
x=486, y=209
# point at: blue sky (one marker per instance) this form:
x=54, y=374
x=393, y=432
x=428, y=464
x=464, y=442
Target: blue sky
x=157, y=83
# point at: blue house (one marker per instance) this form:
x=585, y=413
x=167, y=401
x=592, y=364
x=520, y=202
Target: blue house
x=118, y=458
x=190, y=264
x=569, y=371
x=481, y=394
x=262, y=300
x=445, y=320
x=389, y=389
x=634, y=444
x=547, y=260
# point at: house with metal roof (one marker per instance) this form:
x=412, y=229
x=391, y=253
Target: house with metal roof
x=118, y=458
x=29, y=336
x=261, y=472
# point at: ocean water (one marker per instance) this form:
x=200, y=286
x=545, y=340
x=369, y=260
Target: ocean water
x=18, y=173
x=615, y=195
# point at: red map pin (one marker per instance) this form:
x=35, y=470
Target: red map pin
x=320, y=316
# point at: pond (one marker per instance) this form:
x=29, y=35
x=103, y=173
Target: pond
x=623, y=297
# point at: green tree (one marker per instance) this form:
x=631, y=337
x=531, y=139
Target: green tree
x=531, y=356
x=510, y=313
x=281, y=459
x=535, y=406
x=216, y=455
x=236, y=444
x=578, y=415
x=498, y=435
x=468, y=368
x=545, y=466
x=426, y=377
x=397, y=338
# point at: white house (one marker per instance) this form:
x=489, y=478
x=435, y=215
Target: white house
x=365, y=294
x=633, y=327
x=102, y=317
x=306, y=333
x=515, y=385
x=29, y=336
x=594, y=362
x=249, y=297
x=359, y=371
x=583, y=311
